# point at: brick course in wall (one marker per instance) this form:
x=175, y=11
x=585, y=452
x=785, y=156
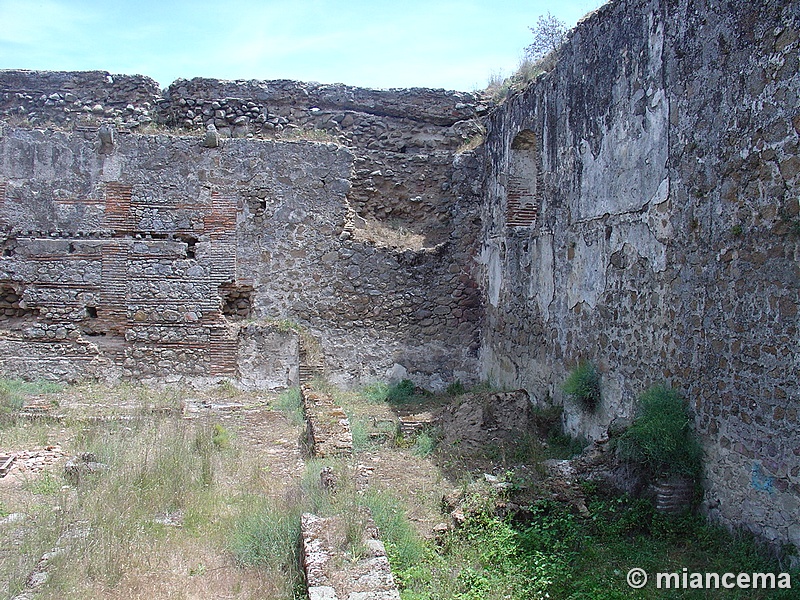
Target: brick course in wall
x=367, y=250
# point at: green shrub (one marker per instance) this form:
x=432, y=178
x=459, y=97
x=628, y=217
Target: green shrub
x=221, y=437
x=661, y=438
x=455, y=389
x=395, y=393
x=400, y=392
x=583, y=384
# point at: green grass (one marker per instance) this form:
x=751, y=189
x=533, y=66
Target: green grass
x=455, y=389
x=425, y=443
x=359, y=429
x=662, y=438
x=18, y=388
x=583, y=384
x=403, y=544
x=557, y=553
x=46, y=484
x=401, y=392
x=266, y=534
x=290, y=403
x=13, y=393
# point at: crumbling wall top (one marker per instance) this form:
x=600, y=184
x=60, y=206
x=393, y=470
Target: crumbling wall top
x=99, y=86
x=437, y=106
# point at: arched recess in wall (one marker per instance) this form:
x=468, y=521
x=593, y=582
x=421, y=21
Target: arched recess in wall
x=524, y=189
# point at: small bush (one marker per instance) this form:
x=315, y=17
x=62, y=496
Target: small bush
x=400, y=392
x=375, y=393
x=661, y=438
x=455, y=389
x=583, y=384
x=221, y=437
x=395, y=393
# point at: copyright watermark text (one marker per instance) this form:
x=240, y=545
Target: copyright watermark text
x=637, y=578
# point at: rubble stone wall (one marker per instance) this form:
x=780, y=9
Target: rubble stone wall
x=636, y=207
x=131, y=244
x=661, y=156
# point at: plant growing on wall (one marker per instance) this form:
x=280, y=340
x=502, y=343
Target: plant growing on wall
x=662, y=438
x=583, y=384
x=548, y=36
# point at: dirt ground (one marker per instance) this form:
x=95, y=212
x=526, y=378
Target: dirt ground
x=265, y=458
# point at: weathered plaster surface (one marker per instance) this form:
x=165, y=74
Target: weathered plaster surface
x=668, y=137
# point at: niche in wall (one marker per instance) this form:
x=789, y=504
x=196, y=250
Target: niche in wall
x=523, y=192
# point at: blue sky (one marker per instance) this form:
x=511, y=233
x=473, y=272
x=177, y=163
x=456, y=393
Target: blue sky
x=404, y=43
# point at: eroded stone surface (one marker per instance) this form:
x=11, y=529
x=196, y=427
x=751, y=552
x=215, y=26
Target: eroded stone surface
x=330, y=575
x=328, y=425
x=145, y=262
x=477, y=421
x=662, y=248
x=638, y=208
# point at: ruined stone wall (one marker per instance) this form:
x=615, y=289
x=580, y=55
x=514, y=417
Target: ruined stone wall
x=642, y=213
x=78, y=99
x=398, y=291
x=152, y=256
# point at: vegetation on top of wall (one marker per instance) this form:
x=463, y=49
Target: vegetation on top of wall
x=583, y=384
x=549, y=34
x=662, y=438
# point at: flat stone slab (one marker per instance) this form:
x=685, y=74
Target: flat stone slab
x=6, y=461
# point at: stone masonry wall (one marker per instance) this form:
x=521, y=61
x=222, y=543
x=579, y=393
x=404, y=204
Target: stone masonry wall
x=78, y=99
x=346, y=213
x=659, y=162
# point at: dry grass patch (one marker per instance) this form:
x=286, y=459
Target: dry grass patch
x=156, y=520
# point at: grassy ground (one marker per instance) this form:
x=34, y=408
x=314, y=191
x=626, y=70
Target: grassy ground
x=551, y=549
x=209, y=506
x=158, y=520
